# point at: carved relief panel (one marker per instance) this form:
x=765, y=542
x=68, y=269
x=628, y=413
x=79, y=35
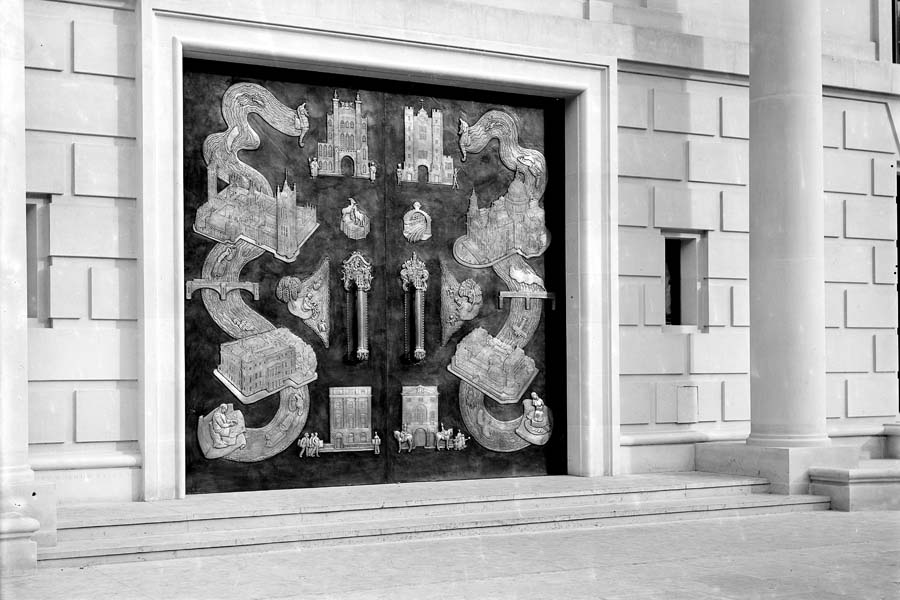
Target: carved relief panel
x=368, y=268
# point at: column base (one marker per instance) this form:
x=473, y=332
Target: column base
x=787, y=469
x=18, y=551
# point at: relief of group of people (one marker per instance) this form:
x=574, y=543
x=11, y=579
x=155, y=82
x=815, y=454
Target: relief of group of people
x=310, y=445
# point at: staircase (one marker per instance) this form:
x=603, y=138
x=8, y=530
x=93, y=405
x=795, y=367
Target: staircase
x=213, y=524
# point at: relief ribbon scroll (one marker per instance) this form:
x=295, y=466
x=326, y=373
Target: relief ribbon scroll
x=502, y=236
x=246, y=219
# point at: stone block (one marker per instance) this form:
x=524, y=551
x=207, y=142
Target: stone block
x=654, y=303
x=656, y=458
x=832, y=122
x=848, y=351
x=892, y=440
x=68, y=291
x=847, y=262
x=80, y=104
x=835, y=396
x=728, y=256
x=847, y=172
x=787, y=469
x=666, y=402
x=114, y=292
x=82, y=353
x=740, y=306
x=736, y=399
x=735, y=211
x=871, y=218
x=682, y=208
x=49, y=415
x=872, y=306
x=681, y=112
x=886, y=352
x=104, y=49
x=46, y=42
x=735, y=117
x=106, y=415
x=650, y=352
x=633, y=106
x=634, y=204
x=834, y=305
x=720, y=352
x=46, y=165
x=885, y=257
x=658, y=156
x=718, y=162
x=636, y=401
x=95, y=231
x=884, y=177
x=873, y=396
x=834, y=216
x=719, y=313
x=873, y=486
x=629, y=304
x=641, y=252
x=686, y=403
x=709, y=401
x=106, y=170
x=867, y=126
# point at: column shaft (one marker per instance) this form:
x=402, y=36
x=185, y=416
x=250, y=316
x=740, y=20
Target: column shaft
x=787, y=290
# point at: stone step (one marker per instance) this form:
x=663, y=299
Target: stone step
x=310, y=507
x=873, y=485
x=153, y=547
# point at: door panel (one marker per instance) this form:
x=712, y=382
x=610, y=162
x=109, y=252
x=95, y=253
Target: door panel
x=350, y=399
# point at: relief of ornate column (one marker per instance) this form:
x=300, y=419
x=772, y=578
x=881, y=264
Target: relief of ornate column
x=357, y=272
x=414, y=276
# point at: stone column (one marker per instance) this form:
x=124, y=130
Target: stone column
x=17, y=549
x=787, y=250
x=787, y=256
x=23, y=503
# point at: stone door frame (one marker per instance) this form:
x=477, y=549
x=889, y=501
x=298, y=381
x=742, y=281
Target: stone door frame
x=171, y=30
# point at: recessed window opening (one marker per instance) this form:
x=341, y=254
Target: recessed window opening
x=36, y=261
x=683, y=279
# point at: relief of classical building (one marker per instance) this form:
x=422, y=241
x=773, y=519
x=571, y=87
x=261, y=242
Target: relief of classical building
x=420, y=414
x=261, y=365
x=424, y=137
x=242, y=211
x=350, y=411
x=500, y=370
x=345, y=150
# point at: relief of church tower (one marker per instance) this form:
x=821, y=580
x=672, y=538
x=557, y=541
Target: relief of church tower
x=345, y=150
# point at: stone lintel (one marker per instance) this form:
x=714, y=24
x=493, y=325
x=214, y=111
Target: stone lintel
x=787, y=469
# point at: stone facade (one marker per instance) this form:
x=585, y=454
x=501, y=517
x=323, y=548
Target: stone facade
x=681, y=150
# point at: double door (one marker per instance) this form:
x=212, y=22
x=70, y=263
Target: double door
x=371, y=287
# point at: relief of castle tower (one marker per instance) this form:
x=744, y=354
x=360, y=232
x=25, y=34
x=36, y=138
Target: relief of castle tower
x=424, y=137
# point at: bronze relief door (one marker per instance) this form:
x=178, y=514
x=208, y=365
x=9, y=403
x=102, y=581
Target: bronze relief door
x=370, y=283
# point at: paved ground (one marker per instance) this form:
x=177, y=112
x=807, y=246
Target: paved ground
x=810, y=556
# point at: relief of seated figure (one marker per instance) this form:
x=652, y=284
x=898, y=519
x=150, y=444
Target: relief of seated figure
x=226, y=430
